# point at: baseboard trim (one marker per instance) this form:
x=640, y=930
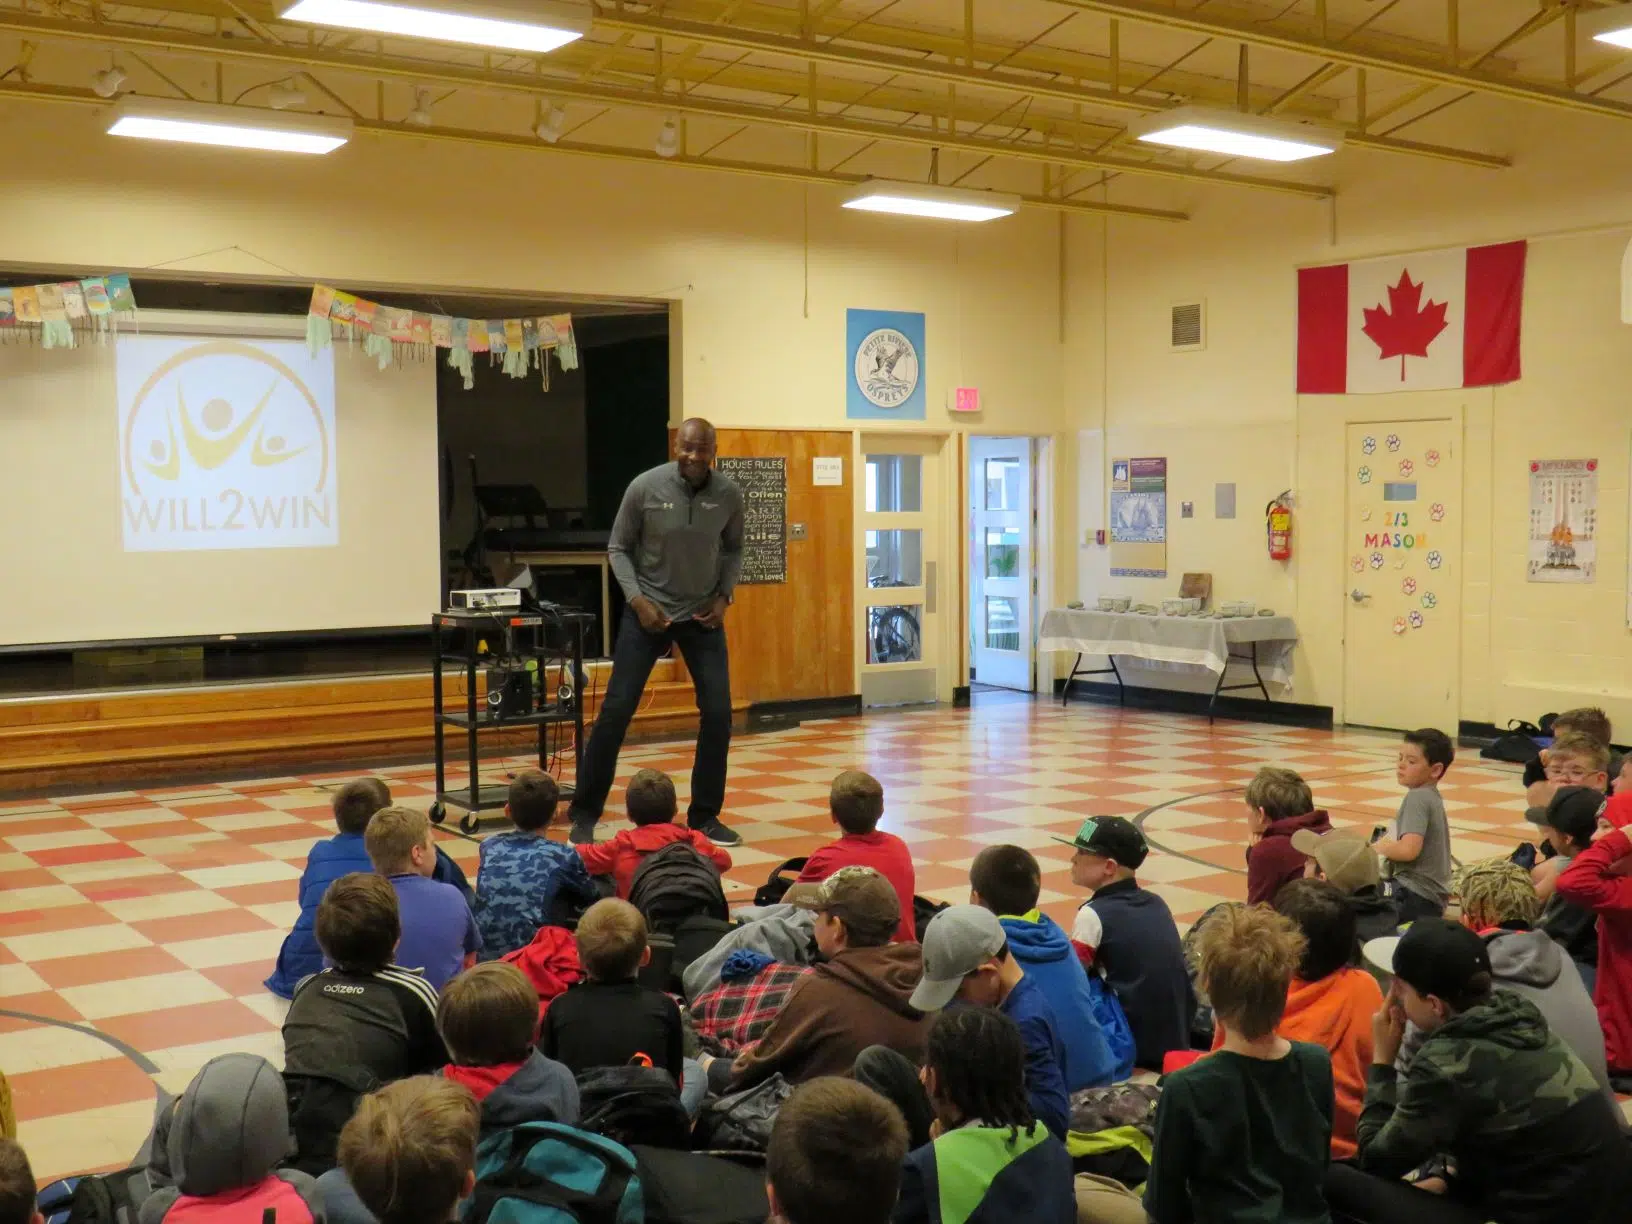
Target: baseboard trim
x=1174, y=701
x=775, y=715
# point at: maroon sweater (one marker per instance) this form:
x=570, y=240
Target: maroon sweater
x=1273, y=862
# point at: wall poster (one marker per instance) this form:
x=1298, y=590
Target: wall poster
x=1563, y=520
x=884, y=365
x=1139, y=518
x=764, y=484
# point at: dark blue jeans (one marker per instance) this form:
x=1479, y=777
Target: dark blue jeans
x=634, y=655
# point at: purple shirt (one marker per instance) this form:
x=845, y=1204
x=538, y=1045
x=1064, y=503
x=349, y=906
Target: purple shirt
x=438, y=928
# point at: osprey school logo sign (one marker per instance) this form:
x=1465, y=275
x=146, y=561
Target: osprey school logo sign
x=886, y=365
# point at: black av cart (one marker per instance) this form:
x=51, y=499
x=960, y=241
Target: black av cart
x=533, y=663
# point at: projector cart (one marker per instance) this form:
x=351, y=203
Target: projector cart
x=515, y=642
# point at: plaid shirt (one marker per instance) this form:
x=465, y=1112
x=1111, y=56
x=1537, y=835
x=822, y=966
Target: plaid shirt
x=734, y=1015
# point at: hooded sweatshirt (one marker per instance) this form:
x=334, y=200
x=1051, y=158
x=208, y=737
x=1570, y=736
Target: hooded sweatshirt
x=1335, y=1012
x=223, y=1144
x=1530, y=964
x=855, y=1000
x=538, y=1089
x=1273, y=861
x=1044, y=952
x=1532, y=1138
x=1591, y=880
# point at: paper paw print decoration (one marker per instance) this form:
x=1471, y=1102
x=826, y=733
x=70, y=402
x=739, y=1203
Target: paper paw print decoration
x=1364, y=475
x=1399, y=624
x=1377, y=560
x=1431, y=458
x=1365, y=514
x=1392, y=441
x=1429, y=599
x=1416, y=619
x=1409, y=586
x=1436, y=511
x=1435, y=560
x=1368, y=444
x=1357, y=564
x=1407, y=467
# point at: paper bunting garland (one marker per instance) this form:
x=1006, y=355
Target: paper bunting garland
x=389, y=333
x=59, y=312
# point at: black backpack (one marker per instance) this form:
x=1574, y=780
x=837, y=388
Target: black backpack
x=676, y=883
x=112, y=1198
x=923, y=912
x=696, y=1188
x=1517, y=743
x=778, y=882
x=633, y=1104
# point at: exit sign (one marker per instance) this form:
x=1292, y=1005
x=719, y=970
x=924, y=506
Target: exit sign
x=966, y=399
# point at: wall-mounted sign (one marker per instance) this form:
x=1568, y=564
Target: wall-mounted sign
x=764, y=484
x=885, y=365
x=966, y=399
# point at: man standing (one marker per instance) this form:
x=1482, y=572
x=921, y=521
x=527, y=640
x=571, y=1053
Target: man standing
x=676, y=550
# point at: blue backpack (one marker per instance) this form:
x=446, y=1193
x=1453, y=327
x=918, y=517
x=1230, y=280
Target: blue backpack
x=1113, y=1022
x=547, y=1173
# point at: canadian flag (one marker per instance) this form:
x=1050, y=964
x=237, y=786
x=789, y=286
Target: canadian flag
x=1422, y=322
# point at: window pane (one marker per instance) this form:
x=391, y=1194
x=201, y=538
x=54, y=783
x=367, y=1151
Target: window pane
x=1400, y=490
x=893, y=635
x=1002, y=623
x=894, y=483
x=895, y=558
x=1003, y=490
x=1002, y=552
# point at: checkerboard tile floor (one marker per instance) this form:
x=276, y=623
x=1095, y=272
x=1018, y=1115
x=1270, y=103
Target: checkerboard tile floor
x=136, y=927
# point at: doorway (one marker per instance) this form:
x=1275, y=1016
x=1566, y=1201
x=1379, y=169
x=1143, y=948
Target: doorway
x=902, y=531
x=1002, y=562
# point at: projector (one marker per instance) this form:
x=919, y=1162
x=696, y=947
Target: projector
x=484, y=600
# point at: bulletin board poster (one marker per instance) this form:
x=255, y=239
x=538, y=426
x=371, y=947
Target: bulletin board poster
x=1563, y=545
x=764, y=485
x=884, y=372
x=1139, y=518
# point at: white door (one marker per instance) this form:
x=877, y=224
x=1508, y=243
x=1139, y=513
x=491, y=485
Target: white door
x=1402, y=574
x=902, y=522
x=1001, y=565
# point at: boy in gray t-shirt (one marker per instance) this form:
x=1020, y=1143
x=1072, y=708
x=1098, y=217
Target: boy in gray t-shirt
x=1417, y=853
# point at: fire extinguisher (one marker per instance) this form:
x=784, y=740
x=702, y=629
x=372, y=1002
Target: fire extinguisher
x=1278, y=527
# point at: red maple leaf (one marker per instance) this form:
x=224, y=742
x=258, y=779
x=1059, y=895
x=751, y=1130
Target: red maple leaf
x=1407, y=327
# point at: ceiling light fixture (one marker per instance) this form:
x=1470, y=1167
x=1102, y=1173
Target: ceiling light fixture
x=1611, y=25
x=514, y=25
x=1234, y=134
x=551, y=124
x=929, y=200
x=421, y=115
x=668, y=139
x=285, y=95
x=109, y=82
x=233, y=127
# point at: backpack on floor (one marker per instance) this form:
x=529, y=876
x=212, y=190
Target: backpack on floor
x=1113, y=1022
x=633, y=1104
x=923, y=910
x=778, y=882
x=1516, y=744
x=696, y=1188
x=676, y=883
x=742, y=1121
x=112, y=1198
x=547, y=1173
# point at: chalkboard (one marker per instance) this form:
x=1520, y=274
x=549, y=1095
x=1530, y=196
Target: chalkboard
x=764, y=484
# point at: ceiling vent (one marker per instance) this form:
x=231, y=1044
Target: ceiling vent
x=1189, y=327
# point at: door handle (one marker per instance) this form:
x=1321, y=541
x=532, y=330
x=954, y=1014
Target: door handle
x=1358, y=595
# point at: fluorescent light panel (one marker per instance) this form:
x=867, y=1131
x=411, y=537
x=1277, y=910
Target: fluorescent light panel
x=1612, y=26
x=514, y=26
x=927, y=200
x=1234, y=134
x=233, y=127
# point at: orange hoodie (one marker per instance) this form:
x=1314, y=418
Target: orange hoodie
x=1335, y=1012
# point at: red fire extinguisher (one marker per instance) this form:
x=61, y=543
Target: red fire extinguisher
x=1278, y=527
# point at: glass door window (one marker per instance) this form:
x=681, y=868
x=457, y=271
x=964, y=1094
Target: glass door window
x=1001, y=566
x=899, y=529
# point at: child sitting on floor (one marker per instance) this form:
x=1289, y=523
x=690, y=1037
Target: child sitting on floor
x=409, y=1152
x=439, y=935
x=652, y=809
x=354, y=804
x=1279, y=807
x=1570, y=823
x=835, y=1155
x=856, y=802
x=17, y=1200
x=522, y=872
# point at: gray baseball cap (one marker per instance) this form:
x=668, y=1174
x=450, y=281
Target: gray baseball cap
x=956, y=943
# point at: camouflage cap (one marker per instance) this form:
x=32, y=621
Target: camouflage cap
x=859, y=897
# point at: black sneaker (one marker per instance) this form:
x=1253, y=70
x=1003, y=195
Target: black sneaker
x=582, y=832
x=718, y=833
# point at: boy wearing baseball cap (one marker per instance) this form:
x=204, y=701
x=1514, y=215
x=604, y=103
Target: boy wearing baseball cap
x=1347, y=862
x=1129, y=933
x=967, y=960
x=1529, y=1135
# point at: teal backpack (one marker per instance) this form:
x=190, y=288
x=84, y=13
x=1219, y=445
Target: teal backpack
x=547, y=1173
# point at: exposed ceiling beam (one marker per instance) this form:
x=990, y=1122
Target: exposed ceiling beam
x=1195, y=21
x=434, y=72
x=501, y=140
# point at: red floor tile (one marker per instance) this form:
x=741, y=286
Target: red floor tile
x=110, y=967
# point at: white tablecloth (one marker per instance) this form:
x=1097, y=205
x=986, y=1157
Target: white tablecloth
x=1193, y=641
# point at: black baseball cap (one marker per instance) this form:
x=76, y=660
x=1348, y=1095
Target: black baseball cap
x=1439, y=957
x=1574, y=811
x=1113, y=837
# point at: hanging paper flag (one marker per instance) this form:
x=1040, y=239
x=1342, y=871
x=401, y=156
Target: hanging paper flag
x=344, y=309
x=96, y=297
x=51, y=307
x=478, y=336
x=8, y=313
x=73, y=300
x=498, y=341
x=421, y=328
x=529, y=335
x=120, y=294
x=27, y=302
x=365, y=313
x=442, y=331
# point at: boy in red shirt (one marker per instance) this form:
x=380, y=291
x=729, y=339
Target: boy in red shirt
x=857, y=802
x=1600, y=879
x=652, y=809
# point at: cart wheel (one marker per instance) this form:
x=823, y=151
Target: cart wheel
x=437, y=813
x=469, y=823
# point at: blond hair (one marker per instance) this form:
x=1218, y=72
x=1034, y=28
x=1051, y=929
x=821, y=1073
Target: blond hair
x=409, y=1148
x=611, y=940
x=1496, y=890
x=488, y=1015
x=1249, y=955
x=1279, y=793
x=1579, y=745
x=392, y=836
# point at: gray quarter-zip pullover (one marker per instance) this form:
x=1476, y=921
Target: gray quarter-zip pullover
x=677, y=547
